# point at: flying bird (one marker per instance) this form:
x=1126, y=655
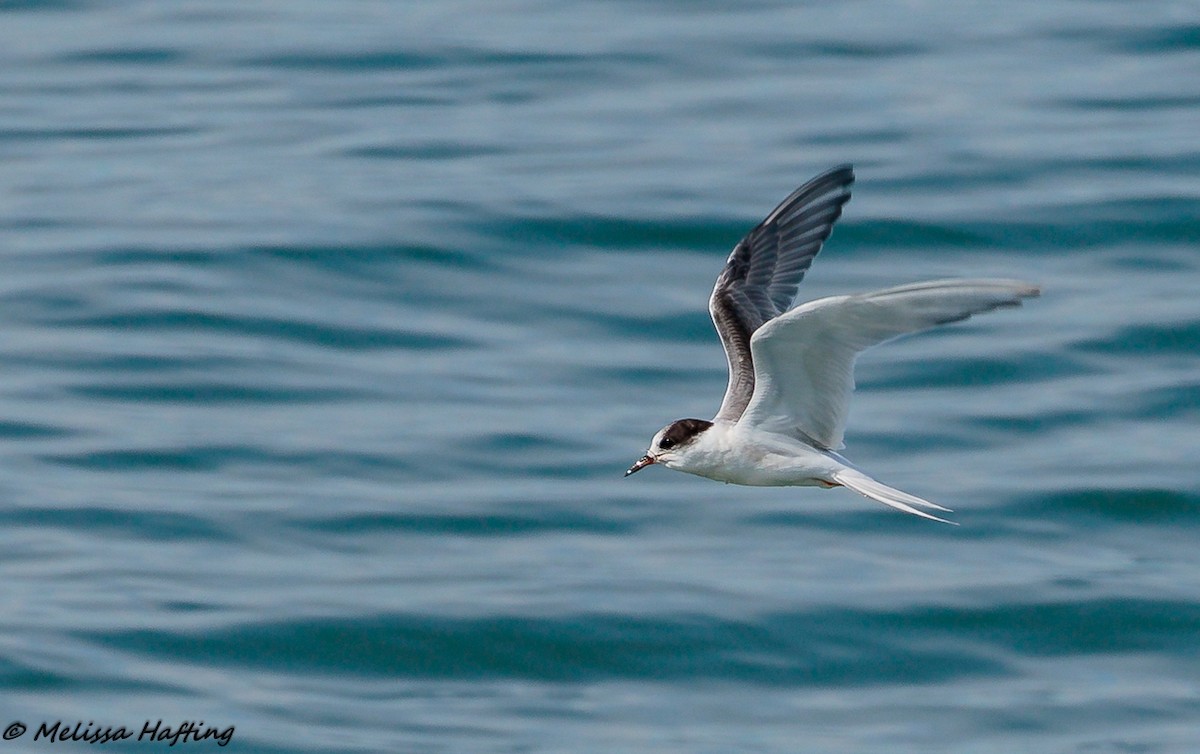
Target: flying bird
x=791, y=371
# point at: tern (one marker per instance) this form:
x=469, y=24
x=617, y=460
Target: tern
x=791, y=370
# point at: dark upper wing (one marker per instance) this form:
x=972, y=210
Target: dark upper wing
x=764, y=271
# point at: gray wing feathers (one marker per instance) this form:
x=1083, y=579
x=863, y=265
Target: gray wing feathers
x=804, y=360
x=763, y=273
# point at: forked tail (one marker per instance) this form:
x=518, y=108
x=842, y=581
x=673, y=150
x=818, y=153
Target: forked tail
x=868, y=487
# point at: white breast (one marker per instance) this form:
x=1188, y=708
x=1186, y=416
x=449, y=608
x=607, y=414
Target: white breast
x=730, y=453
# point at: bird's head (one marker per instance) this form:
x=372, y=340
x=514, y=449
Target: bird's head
x=671, y=444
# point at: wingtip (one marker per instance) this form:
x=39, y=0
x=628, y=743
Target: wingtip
x=845, y=169
x=1021, y=291
x=1021, y=288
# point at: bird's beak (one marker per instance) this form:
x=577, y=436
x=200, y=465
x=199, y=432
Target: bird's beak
x=641, y=464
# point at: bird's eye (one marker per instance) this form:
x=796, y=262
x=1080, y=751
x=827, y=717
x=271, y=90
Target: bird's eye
x=666, y=443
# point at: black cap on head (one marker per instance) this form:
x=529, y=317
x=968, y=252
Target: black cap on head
x=682, y=432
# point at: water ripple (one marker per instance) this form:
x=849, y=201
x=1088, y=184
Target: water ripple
x=843, y=648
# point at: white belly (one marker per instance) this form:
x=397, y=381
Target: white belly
x=760, y=459
x=772, y=471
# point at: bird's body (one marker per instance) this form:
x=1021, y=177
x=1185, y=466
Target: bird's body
x=791, y=370
x=739, y=454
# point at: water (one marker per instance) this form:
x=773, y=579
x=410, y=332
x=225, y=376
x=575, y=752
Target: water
x=330, y=328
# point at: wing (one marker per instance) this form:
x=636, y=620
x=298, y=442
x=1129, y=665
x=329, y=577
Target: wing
x=804, y=360
x=764, y=271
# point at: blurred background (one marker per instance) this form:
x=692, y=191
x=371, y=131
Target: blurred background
x=328, y=329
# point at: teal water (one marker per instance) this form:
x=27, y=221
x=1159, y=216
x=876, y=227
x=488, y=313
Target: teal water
x=329, y=330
